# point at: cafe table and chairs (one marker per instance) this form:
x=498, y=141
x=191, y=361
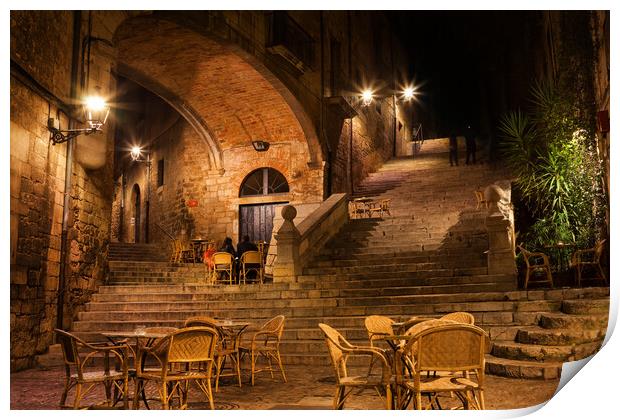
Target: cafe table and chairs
x=91, y=366
x=183, y=356
x=227, y=348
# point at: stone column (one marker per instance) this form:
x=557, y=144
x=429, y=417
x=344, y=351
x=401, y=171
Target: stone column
x=287, y=265
x=499, y=223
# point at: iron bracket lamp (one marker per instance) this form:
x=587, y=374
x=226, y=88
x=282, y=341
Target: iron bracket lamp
x=95, y=113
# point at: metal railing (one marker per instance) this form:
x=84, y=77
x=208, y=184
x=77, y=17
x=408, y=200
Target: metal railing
x=164, y=230
x=417, y=139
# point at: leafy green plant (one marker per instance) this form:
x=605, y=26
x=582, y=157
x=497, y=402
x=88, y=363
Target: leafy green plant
x=550, y=150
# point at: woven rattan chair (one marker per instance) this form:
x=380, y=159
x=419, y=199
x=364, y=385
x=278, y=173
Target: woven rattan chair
x=462, y=317
x=227, y=348
x=480, y=200
x=224, y=266
x=381, y=206
x=584, y=259
x=265, y=342
x=340, y=352
x=358, y=210
x=251, y=262
x=455, y=349
x=377, y=326
x=185, y=355
x=535, y=263
x=88, y=365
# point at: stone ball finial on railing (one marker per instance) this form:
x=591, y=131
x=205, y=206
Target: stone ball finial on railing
x=498, y=197
x=289, y=212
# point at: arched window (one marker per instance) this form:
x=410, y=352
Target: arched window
x=263, y=181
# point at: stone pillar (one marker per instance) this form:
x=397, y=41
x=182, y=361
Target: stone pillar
x=287, y=265
x=499, y=223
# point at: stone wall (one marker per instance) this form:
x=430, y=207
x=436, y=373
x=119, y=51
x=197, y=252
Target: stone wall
x=41, y=88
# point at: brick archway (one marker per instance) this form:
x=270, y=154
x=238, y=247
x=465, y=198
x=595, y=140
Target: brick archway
x=224, y=95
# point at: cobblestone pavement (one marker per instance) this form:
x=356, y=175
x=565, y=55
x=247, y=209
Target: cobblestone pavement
x=306, y=389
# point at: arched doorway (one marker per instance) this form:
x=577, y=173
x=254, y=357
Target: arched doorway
x=256, y=220
x=135, y=217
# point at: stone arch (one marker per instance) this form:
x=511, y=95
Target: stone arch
x=224, y=93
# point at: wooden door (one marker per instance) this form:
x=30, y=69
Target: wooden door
x=256, y=221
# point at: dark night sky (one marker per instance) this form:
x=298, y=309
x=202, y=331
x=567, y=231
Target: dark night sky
x=458, y=54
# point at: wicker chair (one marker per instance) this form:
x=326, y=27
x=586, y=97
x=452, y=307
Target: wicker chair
x=536, y=262
x=588, y=258
x=381, y=206
x=224, y=263
x=462, y=317
x=265, y=342
x=88, y=365
x=185, y=355
x=480, y=200
x=455, y=349
x=227, y=348
x=358, y=210
x=377, y=326
x=251, y=261
x=340, y=352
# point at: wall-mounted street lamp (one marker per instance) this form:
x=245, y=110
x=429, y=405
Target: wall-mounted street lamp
x=260, y=145
x=367, y=96
x=95, y=112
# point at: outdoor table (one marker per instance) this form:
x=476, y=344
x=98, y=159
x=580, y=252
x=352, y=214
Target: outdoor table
x=399, y=326
x=365, y=202
x=199, y=246
x=137, y=335
x=232, y=329
x=399, y=364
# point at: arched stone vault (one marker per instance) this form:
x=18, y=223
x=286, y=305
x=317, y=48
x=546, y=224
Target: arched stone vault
x=225, y=94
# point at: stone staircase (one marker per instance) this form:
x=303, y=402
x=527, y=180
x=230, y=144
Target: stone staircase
x=426, y=258
x=119, y=251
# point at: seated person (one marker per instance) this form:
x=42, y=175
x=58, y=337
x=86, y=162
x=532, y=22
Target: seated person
x=245, y=245
x=242, y=247
x=227, y=246
x=207, y=257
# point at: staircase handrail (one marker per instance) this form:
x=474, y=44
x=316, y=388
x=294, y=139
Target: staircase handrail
x=418, y=134
x=165, y=231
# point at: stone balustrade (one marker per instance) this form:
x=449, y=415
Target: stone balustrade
x=297, y=245
x=500, y=227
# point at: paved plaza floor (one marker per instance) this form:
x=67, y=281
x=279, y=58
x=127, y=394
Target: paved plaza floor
x=306, y=389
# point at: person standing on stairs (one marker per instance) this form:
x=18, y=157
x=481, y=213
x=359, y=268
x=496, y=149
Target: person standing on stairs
x=470, y=144
x=453, y=147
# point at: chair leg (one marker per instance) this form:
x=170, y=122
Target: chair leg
x=527, y=278
x=280, y=364
x=238, y=363
x=164, y=396
x=339, y=398
x=78, y=396
x=388, y=397
x=63, y=397
x=252, y=365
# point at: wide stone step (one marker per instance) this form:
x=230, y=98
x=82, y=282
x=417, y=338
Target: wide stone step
x=522, y=369
x=540, y=353
x=586, y=307
x=558, y=337
x=411, y=274
x=566, y=321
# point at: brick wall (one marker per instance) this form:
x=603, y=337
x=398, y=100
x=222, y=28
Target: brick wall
x=37, y=184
